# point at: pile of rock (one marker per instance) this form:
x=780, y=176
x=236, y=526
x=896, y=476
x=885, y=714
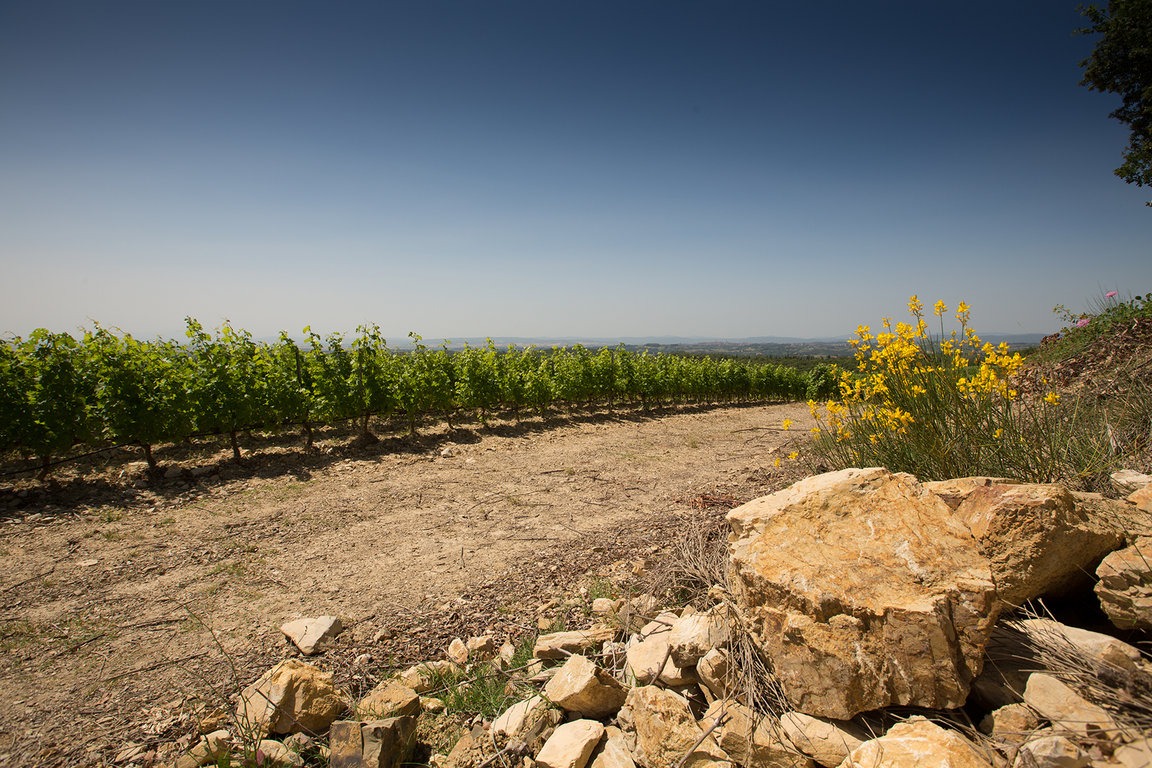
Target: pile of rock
x=862, y=590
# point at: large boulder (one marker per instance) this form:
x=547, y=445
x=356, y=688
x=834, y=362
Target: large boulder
x=864, y=590
x=1037, y=538
x=289, y=698
x=1125, y=586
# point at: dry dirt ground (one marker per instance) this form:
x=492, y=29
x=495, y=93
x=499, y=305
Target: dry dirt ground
x=131, y=608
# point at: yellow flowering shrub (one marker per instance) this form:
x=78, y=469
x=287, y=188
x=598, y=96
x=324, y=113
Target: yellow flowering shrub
x=936, y=406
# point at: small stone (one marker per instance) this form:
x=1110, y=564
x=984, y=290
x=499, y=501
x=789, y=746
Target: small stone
x=570, y=745
x=1065, y=708
x=713, y=672
x=422, y=677
x=482, y=647
x=457, y=651
x=292, y=696
x=1050, y=751
x=693, y=636
x=1011, y=724
x=1125, y=585
x=921, y=743
x=554, y=645
x=825, y=740
x=1129, y=481
x=664, y=730
x=389, y=699
x=279, y=755
x=309, y=634
x=512, y=721
x=173, y=472
x=580, y=686
x=603, y=606
x=373, y=744
x=613, y=751
x=431, y=705
x=362, y=661
x=506, y=653
x=447, y=452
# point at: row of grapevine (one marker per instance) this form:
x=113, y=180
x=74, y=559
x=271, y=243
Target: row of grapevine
x=57, y=392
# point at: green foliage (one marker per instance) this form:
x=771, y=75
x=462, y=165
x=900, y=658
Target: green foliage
x=1081, y=329
x=1121, y=63
x=57, y=392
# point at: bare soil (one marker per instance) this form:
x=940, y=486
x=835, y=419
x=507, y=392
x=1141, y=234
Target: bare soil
x=132, y=608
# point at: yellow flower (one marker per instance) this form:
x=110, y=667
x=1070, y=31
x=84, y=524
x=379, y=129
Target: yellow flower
x=815, y=430
x=962, y=311
x=1052, y=398
x=787, y=423
x=997, y=433
x=940, y=308
x=914, y=305
x=776, y=463
x=792, y=456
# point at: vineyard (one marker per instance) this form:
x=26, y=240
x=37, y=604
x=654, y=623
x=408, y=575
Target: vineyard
x=58, y=393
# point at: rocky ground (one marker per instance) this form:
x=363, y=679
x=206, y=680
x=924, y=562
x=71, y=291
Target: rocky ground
x=131, y=609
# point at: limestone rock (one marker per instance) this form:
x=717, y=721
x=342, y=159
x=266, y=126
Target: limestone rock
x=954, y=491
x=826, y=741
x=422, y=677
x=506, y=653
x=606, y=606
x=1050, y=751
x=388, y=699
x=458, y=652
x=290, y=697
x=713, y=673
x=613, y=751
x=382, y=743
x=1142, y=498
x=644, y=658
x=665, y=730
x=1138, y=754
x=514, y=720
x=581, y=686
x=276, y=755
x=1102, y=650
x=554, y=645
x=570, y=745
x=1036, y=537
x=1125, y=586
x=921, y=743
x=748, y=739
x=1065, y=708
x=1010, y=725
x=310, y=634
x=1128, y=481
x=693, y=636
x=209, y=749
x=482, y=647
x=864, y=590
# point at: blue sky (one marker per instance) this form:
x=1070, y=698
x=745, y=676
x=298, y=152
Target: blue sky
x=603, y=168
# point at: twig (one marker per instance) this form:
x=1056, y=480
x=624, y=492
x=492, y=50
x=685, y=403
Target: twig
x=157, y=665
x=716, y=724
x=80, y=644
x=30, y=578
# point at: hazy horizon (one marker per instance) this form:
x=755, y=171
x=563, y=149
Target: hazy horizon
x=598, y=169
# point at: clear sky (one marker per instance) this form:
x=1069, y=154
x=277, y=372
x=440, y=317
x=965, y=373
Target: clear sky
x=717, y=168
